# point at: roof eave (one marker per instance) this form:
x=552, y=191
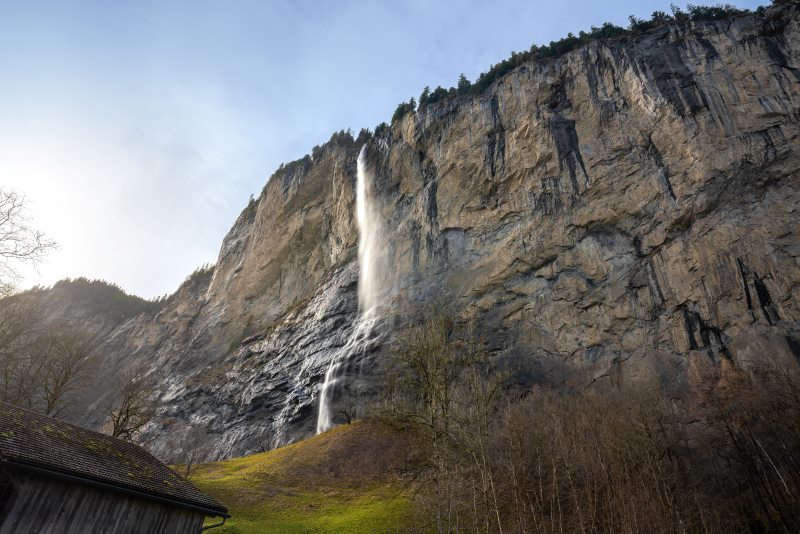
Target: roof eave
x=205, y=510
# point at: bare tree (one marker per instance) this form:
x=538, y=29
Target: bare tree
x=132, y=411
x=262, y=442
x=431, y=367
x=19, y=322
x=20, y=243
x=349, y=404
x=41, y=367
x=190, y=460
x=191, y=450
x=59, y=363
x=65, y=372
x=22, y=370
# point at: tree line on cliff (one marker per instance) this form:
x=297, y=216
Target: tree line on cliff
x=464, y=87
x=607, y=30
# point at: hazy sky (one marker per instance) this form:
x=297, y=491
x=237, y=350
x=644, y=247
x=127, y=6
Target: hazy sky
x=138, y=130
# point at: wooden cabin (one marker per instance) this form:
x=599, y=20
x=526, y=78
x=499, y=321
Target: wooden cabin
x=57, y=478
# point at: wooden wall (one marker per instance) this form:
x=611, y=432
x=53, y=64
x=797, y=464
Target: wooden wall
x=52, y=506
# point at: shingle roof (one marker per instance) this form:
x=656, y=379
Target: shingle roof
x=31, y=439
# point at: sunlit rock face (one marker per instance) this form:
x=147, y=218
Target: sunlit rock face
x=626, y=212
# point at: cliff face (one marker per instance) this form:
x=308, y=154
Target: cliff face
x=625, y=212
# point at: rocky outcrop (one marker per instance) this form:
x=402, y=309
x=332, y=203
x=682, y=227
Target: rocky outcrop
x=619, y=213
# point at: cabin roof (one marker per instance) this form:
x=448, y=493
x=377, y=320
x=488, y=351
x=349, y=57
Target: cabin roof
x=32, y=440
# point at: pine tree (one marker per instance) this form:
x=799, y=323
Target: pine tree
x=423, y=98
x=463, y=84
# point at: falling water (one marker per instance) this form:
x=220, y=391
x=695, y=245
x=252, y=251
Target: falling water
x=368, y=239
x=369, y=235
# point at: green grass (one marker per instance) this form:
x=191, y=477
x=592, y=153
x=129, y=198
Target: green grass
x=366, y=513
x=317, y=485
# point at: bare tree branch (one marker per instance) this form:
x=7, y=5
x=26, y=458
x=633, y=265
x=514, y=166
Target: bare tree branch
x=20, y=243
x=133, y=411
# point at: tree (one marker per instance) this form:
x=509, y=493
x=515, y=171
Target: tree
x=57, y=361
x=403, y=108
x=132, y=412
x=42, y=367
x=349, y=404
x=429, y=371
x=381, y=130
x=364, y=135
x=463, y=84
x=19, y=318
x=438, y=94
x=423, y=98
x=20, y=243
x=191, y=450
x=262, y=442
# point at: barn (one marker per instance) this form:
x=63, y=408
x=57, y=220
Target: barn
x=60, y=478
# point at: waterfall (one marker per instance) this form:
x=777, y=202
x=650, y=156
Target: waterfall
x=358, y=342
x=369, y=241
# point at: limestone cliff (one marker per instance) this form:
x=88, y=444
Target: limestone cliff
x=622, y=212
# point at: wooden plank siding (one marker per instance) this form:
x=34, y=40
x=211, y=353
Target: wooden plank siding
x=42, y=505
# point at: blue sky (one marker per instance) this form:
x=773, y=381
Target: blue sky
x=138, y=130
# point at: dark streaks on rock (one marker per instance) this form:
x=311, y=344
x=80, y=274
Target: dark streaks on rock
x=765, y=300
x=711, y=51
x=690, y=326
x=652, y=283
x=702, y=335
x=495, y=141
x=774, y=42
x=668, y=70
x=746, y=286
x=663, y=171
x=549, y=200
x=431, y=207
x=569, y=153
x=794, y=346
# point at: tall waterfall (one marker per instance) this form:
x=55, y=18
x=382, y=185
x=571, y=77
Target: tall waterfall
x=369, y=231
x=369, y=259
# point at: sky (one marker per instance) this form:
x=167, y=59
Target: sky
x=137, y=131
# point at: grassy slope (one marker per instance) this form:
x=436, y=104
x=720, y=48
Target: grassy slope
x=346, y=480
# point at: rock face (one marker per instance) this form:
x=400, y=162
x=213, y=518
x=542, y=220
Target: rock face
x=623, y=212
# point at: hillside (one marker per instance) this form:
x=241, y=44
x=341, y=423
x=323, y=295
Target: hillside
x=621, y=213
x=351, y=479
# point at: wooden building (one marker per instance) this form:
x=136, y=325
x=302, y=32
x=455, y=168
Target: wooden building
x=56, y=478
